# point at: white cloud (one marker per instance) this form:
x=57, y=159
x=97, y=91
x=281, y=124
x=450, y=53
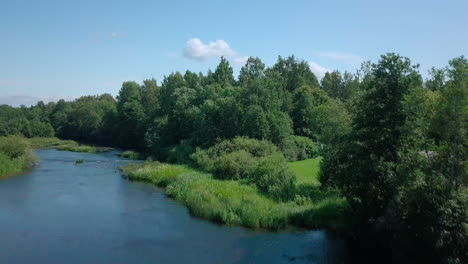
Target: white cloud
x=348, y=58
x=118, y=34
x=241, y=60
x=197, y=50
x=318, y=70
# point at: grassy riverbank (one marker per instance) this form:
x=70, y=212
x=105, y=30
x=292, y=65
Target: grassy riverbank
x=15, y=155
x=235, y=202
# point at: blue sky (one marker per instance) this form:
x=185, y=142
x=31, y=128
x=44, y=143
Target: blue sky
x=64, y=49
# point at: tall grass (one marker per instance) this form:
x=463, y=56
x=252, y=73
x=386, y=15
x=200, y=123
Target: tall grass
x=154, y=172
x=15, y=155
x=226, y=201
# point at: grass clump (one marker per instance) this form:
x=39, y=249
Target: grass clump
x=15, y=155
x=156, y=173
x=78, y=148
x=133, y=155
x=79, y=161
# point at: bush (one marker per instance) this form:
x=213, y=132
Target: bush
x=257, y=148
x=255, y=161
x=233, y=166
x=299, y=148
x=15, y=155
x=272, y=175
x=14, y=146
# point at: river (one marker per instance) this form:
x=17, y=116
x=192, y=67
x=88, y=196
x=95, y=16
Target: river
x=59, y=212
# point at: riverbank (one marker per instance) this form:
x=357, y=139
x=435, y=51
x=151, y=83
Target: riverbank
x=235, y=202
x=65, y=145
x=16, y=153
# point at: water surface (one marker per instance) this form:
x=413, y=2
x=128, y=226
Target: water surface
x=59, y=212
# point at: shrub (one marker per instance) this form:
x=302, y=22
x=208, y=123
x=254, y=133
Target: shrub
x=256, y=161
x=235, y=165
x=14, y=146
x=257, y=148
x=15, y=155
x=272, y=175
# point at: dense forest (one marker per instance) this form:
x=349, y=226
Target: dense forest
x=393, y=144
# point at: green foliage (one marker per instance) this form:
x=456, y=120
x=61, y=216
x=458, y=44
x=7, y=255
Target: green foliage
x=15, y=155
x=401, y=167
x=28, y=122
x=79, y=161
x=364, y=166
x=256, y=161
x=272, y=175
x=181, y=153
x=435, y=216
x=14, y=146
x=340, y=86
x=299, y=148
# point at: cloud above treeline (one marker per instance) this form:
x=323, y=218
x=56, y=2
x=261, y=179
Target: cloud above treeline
x=318, y=70
x=348, y=58
x=196, y=49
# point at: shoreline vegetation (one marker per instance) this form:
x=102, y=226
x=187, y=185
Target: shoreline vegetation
x=230, y=186
x=233, y=202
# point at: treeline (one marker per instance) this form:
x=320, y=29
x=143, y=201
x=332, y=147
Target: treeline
x=284, y=104
x=393, y=144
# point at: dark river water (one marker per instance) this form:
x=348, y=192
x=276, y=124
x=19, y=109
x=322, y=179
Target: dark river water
x=60, y=212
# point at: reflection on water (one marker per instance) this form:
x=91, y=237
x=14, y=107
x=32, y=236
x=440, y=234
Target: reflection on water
x=60, y=212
